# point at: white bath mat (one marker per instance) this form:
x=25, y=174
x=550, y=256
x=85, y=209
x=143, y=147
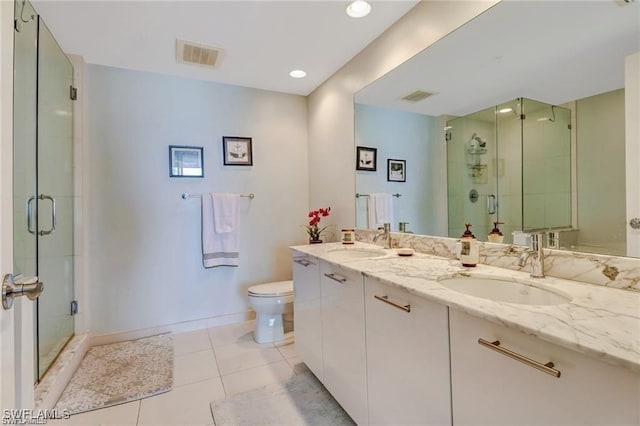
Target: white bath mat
x=300, y=401
x=120, y=372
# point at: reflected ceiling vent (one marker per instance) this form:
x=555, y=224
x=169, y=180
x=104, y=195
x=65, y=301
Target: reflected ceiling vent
x=417, y=96
x=188, y=52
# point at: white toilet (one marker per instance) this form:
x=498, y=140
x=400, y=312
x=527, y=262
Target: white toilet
x=271, y=301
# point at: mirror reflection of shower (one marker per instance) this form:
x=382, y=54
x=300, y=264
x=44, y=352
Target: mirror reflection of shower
x=517, y=156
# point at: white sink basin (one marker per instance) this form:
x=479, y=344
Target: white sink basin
x=348, y=253
x=504, y=291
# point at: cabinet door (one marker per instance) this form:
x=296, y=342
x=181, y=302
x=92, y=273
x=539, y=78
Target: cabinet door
x=489, y=388
x=407, y=358
x=343, y=346
x=306, y=312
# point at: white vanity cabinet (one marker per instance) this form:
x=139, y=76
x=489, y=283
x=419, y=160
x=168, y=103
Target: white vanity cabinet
x=307, y=311
x=343, y=339
x=407, y=357
x=491, y=388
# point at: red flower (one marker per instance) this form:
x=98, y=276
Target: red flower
x=313, y=230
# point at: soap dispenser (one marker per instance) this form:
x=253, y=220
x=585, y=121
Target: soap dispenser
x=495, y=236
x=469, y=251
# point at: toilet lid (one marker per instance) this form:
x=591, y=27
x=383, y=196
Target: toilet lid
x=280, y=288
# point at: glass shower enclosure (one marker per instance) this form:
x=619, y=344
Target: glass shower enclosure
x=43, y=179
x=510, y=163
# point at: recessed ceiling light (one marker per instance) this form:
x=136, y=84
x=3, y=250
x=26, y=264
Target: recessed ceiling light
x=358, y=9
x=297, y=74
x=505, y=110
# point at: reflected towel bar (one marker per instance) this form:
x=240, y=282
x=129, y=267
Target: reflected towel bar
x=186, y=195
x=366, y=195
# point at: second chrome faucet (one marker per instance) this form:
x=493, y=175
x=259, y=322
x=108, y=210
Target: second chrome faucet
x=386, y=234
x=536, y=254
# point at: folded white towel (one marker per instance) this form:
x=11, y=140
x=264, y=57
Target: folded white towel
x=220, y=248
x=380, y=209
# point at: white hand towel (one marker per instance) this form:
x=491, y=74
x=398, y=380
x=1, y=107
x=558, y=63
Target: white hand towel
x=219, y=248
x=380, y=209
x=225, y=212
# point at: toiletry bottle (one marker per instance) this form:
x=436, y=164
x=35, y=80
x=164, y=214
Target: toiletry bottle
x=469, y=251
x=348, y=236
x=495, y=236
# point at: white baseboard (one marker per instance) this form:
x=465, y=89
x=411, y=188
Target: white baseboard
x=180, y=327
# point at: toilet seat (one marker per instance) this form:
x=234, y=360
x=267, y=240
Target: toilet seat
x=276, y=289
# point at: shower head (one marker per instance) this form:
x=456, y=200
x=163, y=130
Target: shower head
x=553, y=113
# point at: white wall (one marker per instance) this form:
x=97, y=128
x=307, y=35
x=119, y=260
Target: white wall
x=398, y=135
x=601, y=171
x=331, y=111
x=143, y=254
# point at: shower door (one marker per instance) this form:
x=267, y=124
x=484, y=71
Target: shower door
x=42, y=180
x=55, y=198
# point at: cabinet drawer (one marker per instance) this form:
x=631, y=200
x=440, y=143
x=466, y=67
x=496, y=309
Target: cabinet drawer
x=491, y=388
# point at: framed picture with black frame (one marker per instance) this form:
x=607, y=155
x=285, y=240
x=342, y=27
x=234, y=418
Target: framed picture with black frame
x=237, y=151
x=366, y=158
x=186, y=161
x=396, y=170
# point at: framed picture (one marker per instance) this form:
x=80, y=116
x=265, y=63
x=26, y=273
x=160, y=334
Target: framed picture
x=396, y=170
x=185, y=161
x=237, y=151
x=366, y=158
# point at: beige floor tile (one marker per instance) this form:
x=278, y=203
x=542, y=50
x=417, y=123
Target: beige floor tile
x=288, y=339
x=256, y=377
x=185, y=405
x=298, y=365
x=245, y=355
x=287, y=350
x=194, y=367
x=191, y=341
x=232, y=333
x=121, y=415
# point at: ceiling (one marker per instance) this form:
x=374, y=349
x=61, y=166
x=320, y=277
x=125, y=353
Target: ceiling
x=262, y=40
x=550, y=51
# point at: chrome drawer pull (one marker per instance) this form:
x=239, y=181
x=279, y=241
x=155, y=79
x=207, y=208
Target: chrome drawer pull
x=545, y=368
x=385, y=299
x=336, y=277
x=303, y=262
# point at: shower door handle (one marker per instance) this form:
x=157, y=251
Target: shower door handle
x=30, y=214
x=53, y=214
x=13, y=287
x=491, y=204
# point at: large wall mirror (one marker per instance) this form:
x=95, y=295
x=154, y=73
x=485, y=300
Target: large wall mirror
x=518, y=117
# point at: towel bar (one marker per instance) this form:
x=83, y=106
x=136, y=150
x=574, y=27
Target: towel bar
x=186, y=195
x=366, y=195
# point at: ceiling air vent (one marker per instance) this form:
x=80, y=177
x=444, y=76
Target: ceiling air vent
x=188, y=52
x=416, y=96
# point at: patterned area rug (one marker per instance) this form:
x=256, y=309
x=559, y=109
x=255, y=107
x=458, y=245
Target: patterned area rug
x=120, y=372
x=300, y=401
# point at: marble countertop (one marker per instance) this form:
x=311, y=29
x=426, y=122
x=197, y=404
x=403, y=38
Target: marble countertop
x=600, y=322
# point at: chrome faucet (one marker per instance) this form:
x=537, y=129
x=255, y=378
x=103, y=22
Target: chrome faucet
x=536, y=254
x=386, y=234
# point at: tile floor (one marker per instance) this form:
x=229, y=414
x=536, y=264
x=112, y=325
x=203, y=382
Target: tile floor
x=209, y=364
